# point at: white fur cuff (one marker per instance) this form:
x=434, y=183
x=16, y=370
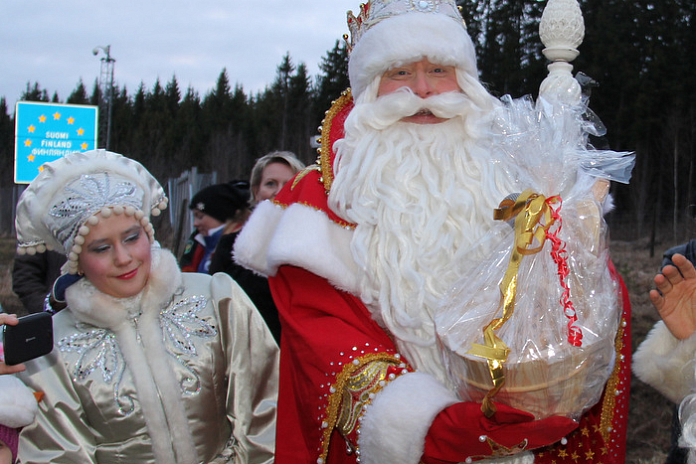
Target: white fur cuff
x=18, y=407
x=666, y=363
x=394, y=426
x=298, y=235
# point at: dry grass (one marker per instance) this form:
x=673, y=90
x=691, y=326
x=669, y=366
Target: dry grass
x=650, y=413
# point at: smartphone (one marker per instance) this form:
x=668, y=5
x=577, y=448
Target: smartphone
x=30, y=338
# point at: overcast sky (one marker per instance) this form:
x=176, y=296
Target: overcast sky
x=51, y=42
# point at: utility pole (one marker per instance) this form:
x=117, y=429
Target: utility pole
x=106, y=88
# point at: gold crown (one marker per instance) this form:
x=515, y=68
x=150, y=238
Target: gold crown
x=375, y=11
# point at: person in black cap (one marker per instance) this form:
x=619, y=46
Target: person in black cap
x=220, y=211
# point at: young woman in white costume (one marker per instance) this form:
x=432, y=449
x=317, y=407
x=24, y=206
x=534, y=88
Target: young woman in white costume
x=150, y=365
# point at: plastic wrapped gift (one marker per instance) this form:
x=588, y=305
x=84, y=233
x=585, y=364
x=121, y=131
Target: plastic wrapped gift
x=533, y=325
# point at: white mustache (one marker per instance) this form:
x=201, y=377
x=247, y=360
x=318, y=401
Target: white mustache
x=390, y=108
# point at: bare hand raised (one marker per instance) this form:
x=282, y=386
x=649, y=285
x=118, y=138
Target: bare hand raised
x=675, y=297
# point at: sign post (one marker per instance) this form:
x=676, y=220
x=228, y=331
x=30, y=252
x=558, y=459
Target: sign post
x=47, y=131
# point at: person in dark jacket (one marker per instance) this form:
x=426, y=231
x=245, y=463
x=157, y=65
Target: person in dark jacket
x=220, y=211
x=33, y=277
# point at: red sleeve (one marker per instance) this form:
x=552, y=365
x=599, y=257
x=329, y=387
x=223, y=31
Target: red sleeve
x=332, y=356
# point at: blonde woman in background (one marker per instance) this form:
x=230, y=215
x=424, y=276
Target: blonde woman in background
x=270, y=173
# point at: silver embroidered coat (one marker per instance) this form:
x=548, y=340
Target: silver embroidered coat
x=185, y=372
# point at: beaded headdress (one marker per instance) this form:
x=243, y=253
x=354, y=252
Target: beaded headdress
x=73, y=192
x=375, y=11
x=387, y=33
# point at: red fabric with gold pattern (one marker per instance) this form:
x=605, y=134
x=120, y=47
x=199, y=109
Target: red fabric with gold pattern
x=324, y=332
x=307, y=189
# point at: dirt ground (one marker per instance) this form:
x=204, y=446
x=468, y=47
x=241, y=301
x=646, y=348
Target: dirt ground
x=650, y=413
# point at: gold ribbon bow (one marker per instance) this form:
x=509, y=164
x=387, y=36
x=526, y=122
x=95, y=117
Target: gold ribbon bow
x=533, y=224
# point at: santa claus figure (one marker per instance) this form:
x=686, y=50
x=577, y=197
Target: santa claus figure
x=361, y=248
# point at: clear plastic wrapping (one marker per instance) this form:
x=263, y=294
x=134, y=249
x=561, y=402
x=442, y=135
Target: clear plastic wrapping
x=546, y=297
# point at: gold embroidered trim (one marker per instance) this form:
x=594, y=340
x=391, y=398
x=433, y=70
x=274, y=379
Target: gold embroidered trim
x=325, y=149
x=339, y=221
x=304, y=172
x=609, y=403
x=354, y=388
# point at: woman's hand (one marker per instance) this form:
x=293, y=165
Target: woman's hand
x=9, y=319
x=675, y=297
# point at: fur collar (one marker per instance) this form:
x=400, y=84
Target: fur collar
x=136, y=323
x=101, y=310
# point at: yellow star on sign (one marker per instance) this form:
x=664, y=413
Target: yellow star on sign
x=32, y=129
x=71, y=120
x=31, y=157
x=27, y=143
x=41, y=168
x=56, y=116
x=80, y=131
x=42, y=118
x=84, y=145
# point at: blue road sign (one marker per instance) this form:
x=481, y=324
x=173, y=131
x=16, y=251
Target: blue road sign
x=47, y=131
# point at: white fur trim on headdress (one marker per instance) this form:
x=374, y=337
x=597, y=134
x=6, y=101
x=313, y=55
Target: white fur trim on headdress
x=61, y=203
x=406, y=38
x=18, y=406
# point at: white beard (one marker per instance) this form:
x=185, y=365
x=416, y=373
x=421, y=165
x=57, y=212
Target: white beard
x=421, y=197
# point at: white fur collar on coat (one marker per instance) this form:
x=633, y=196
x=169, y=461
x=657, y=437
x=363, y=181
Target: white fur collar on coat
x=135, y=322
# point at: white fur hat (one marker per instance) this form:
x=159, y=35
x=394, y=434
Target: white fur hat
x=392, y=32
x=60, y=204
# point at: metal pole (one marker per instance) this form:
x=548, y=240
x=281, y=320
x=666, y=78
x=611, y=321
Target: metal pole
x=106, y=85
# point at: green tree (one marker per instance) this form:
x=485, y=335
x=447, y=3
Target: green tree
x=300, y=120
x=332, y=80
x=79, y=95
x=6, y=144
x=505, y=33
x=34, y=93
